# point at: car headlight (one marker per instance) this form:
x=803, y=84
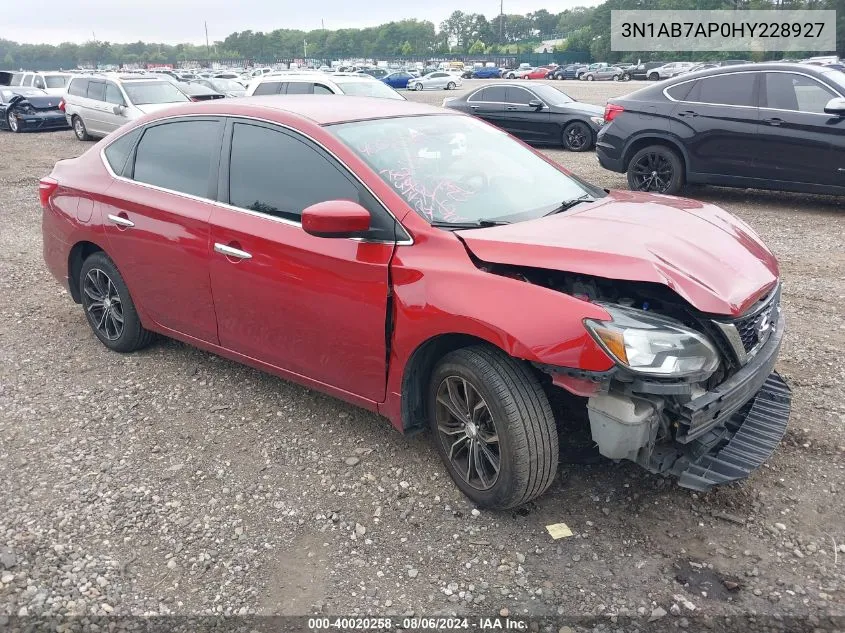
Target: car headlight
x=597, y=120
x=653, y=345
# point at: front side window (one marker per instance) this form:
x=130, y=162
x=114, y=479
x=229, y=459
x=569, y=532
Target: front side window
x=734, y=89
x=272, y=172
x=457, y=169
x=790, y=91
x=177, y=156
x=300, y=88
x=519, y=96
x=147, y=92
x=38, y=82
x=27, y=80
x=113, y=94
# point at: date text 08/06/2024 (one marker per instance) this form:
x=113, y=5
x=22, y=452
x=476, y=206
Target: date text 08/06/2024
x=417, y=624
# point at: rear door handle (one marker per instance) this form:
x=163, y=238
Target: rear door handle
x=120, y=221
x=231, y=251
x=773, y=121
x=689, y=113
x=474, y=107
x=511, y=108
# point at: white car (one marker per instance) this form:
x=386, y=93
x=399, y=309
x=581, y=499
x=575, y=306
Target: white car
x=321, y=83
x=666, y=71
x=53, y=83
x=438, y=80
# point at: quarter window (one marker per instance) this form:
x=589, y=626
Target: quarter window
x=268, y=88
x=320, y=89
x=118, y=152
x=789, y=91
x=736, y=89
x=679, y=92
x=177, y=156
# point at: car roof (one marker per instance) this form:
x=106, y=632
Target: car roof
x=321, y=109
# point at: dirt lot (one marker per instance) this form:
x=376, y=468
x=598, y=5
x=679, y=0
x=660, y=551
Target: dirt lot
x=174, y=482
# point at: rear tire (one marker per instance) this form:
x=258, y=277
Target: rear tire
x=653, y=77
x=79, y=128
x=506, y=426
x=109, y=307
x=450, y=85
x=657, y=169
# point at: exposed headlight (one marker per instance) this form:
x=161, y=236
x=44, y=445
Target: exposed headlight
x=653, y=345
x=597, y=120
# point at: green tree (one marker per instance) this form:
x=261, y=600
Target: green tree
x=9, y=61
x=407, y=49
x=477, y=48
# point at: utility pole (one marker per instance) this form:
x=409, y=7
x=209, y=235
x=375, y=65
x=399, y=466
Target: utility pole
x=501, y=20
x=305, y=49
x=207, y=47
x=322, y=24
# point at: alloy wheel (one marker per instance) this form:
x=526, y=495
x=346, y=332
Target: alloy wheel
x=467, y=431
x=102, y=303
x=576, y=137
x=652, y=172
x=13, y=121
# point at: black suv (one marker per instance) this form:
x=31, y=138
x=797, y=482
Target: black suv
x=768, y=126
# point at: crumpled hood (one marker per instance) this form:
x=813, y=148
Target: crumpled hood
x=710, y=258
x=42, y=102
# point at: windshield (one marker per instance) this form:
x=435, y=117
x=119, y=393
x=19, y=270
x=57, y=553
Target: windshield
x=153, y=92
x=457, y=169
x=551, y=95
x=56, y=81
x=836, y=76
x=367, y=89
x=227, y=85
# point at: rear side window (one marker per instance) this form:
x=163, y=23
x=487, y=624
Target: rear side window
x=118, y=152
x=735, y=89
x=274, y=173
x=300, y=88
x=78, y=87
x=177, y=156
x=268, y=88
x=788, y=91
x=56, y=81
x=97, y=90
x=38, y=82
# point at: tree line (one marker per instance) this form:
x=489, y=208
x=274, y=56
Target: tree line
x=582, y=29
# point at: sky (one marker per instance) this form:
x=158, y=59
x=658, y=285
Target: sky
x=175, y=21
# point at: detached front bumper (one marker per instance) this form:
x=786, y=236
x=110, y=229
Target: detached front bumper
x=41, y=121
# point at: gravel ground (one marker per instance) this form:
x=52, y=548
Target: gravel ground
x=175, y=482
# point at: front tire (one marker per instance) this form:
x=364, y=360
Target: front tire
x=590, y=78
x=12, y=121
x=657, y=169
x=108, y=306
x=577, y=137
x=418, y=87
x=450, y=85
x=493, y=427
x=79, y=128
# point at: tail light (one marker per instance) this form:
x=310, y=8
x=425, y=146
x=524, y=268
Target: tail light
x=62, y=105
x=611, y=111
x=46, y=187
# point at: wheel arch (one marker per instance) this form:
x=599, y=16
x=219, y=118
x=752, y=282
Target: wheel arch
x=645, y=140
x=81, y=251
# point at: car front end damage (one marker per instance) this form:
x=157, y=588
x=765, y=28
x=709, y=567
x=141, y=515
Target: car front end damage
x=706, y=416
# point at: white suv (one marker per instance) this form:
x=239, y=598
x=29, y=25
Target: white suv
x=53, y=83
x=96, y=105
x=303, y=83
x=669, y=70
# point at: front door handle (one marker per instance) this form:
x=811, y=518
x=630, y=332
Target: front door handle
x=511, y=108
x=121, y=221
x=773, y=121
x=474, y=107
x=689, y=113
x=231, y=251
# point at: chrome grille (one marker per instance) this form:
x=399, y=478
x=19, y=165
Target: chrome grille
x=749, y=333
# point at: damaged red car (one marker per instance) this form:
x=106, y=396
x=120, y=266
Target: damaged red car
x=427, y=266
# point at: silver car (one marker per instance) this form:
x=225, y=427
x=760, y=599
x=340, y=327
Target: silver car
x=96, y=105
x=438, y=80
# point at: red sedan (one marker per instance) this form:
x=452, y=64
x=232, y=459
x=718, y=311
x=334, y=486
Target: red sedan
x=539, y=73
x=427, y=266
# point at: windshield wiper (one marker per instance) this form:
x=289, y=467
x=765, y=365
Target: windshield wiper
x=568, y=204
x=478, y=224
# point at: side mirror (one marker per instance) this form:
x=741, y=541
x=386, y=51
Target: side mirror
x=118, y=109
x=835, y=106
x=536, y=104
x=335, y=218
